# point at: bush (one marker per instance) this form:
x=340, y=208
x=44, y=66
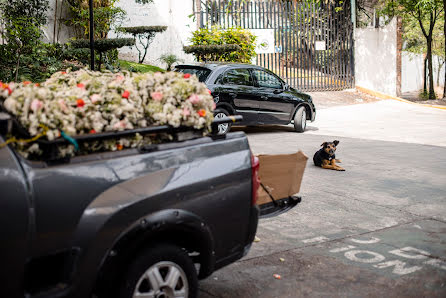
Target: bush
x=232, y=36
x=211, y=52
x=169, y=60
x=107, y=49
x=145, y=35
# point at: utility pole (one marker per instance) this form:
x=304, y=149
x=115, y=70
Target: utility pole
x=91, y=36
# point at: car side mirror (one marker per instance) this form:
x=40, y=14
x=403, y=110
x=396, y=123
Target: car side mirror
x=286, y=87
x=5, y=123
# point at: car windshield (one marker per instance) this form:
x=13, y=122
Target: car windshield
x=201, y=73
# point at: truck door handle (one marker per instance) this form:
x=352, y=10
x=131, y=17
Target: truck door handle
x=263, y=97
x=233, y=95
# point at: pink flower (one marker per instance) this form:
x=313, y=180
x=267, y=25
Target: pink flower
x=95, y=98
x=186, y=112
x=120, y=124
x=194, y=99
x=119, y=78
x=158, y=96
x=36, y=105
x=62, y=105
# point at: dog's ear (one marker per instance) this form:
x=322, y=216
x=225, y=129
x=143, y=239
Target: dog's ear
x=335, y=142
x=324, y=144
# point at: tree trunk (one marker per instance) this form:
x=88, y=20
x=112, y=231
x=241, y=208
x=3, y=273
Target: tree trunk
x=444, y=31
x=425, y=75
x=430, y=68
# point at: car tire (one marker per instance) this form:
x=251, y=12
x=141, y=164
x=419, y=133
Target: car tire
x=300, y=119
x=222, y=128
x=150, y=273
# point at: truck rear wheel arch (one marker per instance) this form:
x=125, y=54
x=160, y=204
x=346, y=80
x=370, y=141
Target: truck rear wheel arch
x=179, y=228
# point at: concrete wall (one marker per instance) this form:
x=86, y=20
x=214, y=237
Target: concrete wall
x=171, y=13
x=412, y=72
x=375, y=58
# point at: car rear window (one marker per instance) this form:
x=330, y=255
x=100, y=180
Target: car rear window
x=201, y=73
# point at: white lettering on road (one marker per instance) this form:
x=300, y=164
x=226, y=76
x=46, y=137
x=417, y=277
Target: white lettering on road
x=417, y=254
x=353, y=256
x=319, y=239
x=399, y=269
x=369, y=241
x=437, y=263
x=342, y=249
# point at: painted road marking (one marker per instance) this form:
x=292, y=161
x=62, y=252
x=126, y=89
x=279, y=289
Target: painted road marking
x=379, y=261
x=319, y=239
x=399, y=269
x=342, y=249
x=353, y=256
x=403, y=252
x=369, y=241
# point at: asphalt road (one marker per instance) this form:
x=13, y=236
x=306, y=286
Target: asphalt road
x=377, y=229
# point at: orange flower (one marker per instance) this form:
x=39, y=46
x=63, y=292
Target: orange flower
x=26, y=83
x=37, y=84
x=186, y=75
x=119, y=147
x=202, y=113
x=80, y=103
x=80, y=85
x=92, y=131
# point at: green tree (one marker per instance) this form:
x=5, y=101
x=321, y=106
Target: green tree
x=426, y=13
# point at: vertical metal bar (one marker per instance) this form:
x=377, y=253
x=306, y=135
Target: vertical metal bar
x=276, y=37
x=91, y=35
x=294, y=45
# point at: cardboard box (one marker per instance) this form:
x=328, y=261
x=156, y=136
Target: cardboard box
x=281, y=175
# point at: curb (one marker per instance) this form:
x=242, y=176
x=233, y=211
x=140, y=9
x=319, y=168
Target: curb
x=386, y=96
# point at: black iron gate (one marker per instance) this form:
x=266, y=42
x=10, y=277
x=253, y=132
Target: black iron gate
x=313, y=40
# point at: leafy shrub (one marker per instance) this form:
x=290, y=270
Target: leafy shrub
x=145, y=35
x=212, y=52
x=169, y=60
x=232, y=36
x=107, y=49
x=106, y=17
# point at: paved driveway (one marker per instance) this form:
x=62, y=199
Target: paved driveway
x=377, y=229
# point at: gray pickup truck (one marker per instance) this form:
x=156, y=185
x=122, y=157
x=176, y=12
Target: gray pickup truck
x=146, y=222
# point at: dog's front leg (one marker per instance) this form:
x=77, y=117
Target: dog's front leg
x=335, y=166
x=338, y=160
x=326, y=165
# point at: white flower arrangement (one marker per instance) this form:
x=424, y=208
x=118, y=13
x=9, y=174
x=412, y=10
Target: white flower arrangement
x=85, y=101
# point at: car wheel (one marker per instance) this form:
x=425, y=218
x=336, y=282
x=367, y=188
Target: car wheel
x=300, y=119
x=222, y=128
x=162, y=271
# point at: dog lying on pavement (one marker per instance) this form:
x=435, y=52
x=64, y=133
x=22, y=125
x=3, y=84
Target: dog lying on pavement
x=326, y=158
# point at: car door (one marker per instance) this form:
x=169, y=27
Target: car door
x=237, y=89
x=275, y=106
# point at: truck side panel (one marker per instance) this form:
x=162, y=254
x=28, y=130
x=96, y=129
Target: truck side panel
x=14, y=224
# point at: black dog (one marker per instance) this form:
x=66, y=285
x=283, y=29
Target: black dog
x=326, y=158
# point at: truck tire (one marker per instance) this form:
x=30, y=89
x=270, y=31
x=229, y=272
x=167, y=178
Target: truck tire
x=300, y=119
x=222, y=128
x=162, y=271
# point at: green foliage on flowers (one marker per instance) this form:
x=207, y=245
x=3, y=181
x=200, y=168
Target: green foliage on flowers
x=87, y=102
x=232, y=36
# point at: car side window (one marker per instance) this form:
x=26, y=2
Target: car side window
x=238, y=76
x=267, y=80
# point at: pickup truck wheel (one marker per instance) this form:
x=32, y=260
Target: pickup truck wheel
x=222, y=128
x=163, y=271
x=300, y=119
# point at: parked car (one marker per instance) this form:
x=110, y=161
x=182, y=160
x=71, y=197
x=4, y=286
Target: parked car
x=254, y=92
x=144, y=222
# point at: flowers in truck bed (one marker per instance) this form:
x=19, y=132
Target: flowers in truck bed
x=84, y=101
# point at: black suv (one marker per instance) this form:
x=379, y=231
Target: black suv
x=254, y=92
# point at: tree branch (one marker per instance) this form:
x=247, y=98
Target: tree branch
x=421, y=23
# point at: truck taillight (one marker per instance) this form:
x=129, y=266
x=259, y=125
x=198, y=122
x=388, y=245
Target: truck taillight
x=255, y=177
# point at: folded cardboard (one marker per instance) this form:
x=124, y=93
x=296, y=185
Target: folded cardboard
x=281, y=175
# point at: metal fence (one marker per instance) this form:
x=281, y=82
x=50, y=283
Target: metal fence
x=312, y=40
